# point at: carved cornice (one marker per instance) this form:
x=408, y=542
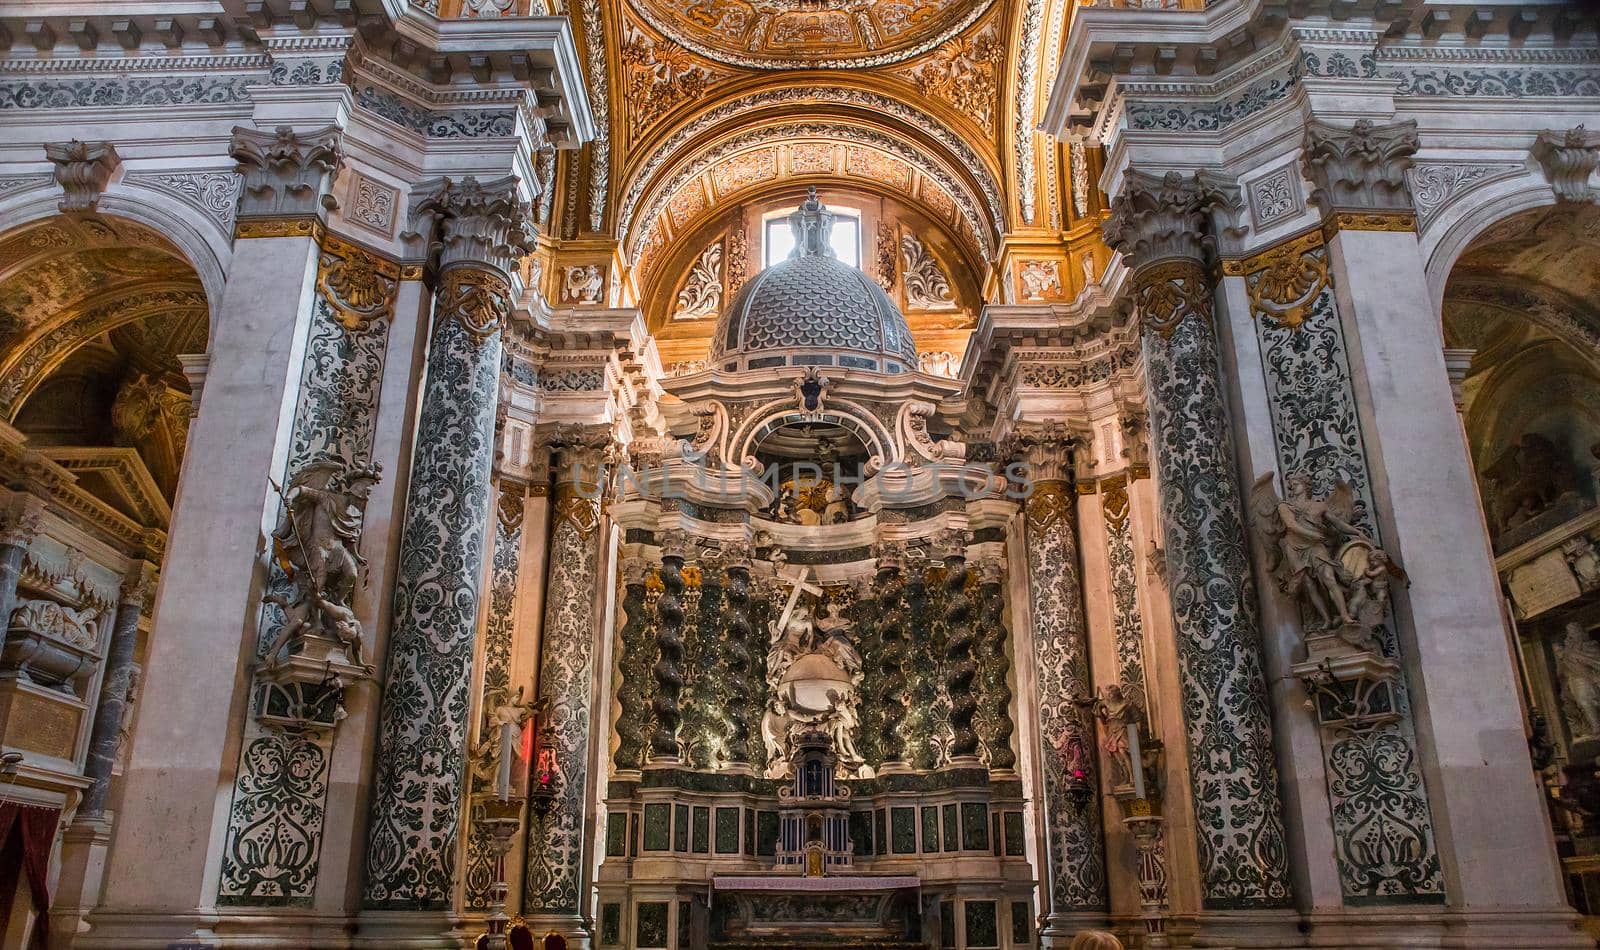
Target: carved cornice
x=358, y=285
x=471, y=221
x=286, y=174
x=1362, y=168
x=1568, y=159
x=83, y=169
x=1159, y=218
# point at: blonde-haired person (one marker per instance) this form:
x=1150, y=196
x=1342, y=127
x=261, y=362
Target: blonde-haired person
x=1095, y=940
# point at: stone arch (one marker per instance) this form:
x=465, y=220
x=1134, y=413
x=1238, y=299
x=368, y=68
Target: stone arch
x=95, y=311
x=1466, y=215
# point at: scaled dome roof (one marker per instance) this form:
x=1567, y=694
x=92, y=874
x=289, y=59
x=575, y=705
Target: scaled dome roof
x=812, y=310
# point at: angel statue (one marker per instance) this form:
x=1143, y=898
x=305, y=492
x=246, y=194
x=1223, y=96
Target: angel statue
x=1580, y=680
x=1331, y=567
x=317, y=543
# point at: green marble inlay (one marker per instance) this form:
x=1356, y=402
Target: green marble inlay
x=727, y=831
x=861, y=833
x=680, y=827
x=904, y=835
x=947, y=925
x=880, y=834
x=951, y=838
x=749, y=831
x=974, y=826
x=1021, y=924
x=930, y=828
x=617, y=834
x=610, y=924
x=982, y=930
x=650, y=925
x=657, y=827
x=766, y=833
x=1015, y=846
x=702, y=829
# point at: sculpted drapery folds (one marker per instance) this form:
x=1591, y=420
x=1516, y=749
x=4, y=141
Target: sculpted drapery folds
x=1165, y=228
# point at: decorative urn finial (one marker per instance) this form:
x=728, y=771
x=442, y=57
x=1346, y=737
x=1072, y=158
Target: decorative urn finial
x=812, y=226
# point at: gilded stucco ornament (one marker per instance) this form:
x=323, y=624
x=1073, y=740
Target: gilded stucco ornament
x=359, y=286
x=479, y=299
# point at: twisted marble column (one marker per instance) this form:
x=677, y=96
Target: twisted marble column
x=422, y=733
x=632, y=728
x=961, y=671
x=890, y=584
x=1073, y=835
x=736, y=626
x=668, y=671
x=1162, y=227
x=996, y=690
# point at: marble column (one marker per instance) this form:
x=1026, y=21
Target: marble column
x=1074, y=840
x=108, y=714
x=205, y=620
x=1162, y=227
x=419, y=777
x=889, y=588
x=736, y=557
x=1450, y=633
x=633, y=717
x=554, y=891
x=962, y=669
x=994, y=670
x=668, y=669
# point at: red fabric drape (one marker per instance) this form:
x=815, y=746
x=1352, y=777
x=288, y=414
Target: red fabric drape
x=27, y=833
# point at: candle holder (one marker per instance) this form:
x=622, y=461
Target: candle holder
x=1150, y=845
x=501, y=818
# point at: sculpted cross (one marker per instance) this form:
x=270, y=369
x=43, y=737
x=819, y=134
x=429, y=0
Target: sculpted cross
x=797, y=586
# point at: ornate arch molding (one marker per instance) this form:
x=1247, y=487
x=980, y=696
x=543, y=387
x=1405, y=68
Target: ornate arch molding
x=846, y=103
x=199, y=240
x=944, y=177
x=1568, y=318
x=880, y=442
x=1467, y=215
x=27, y=364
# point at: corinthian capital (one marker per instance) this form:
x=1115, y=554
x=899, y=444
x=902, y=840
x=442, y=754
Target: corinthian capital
x=83, y=169
x=286, y=174
x=1568, y=159
x=1046, y=448
x=1172, y=216
x=473, y=221
x=1362, y=168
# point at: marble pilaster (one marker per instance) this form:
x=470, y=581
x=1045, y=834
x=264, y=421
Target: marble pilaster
x=1163, y=228
x=1449, y=628
x=186, y=746
x=555, y=870
x=477, y=230
x=1074, y=839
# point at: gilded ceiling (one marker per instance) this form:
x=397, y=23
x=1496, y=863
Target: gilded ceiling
x=798, y=34
x=67, y=281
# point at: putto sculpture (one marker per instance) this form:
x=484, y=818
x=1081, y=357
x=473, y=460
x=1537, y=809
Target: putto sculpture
x=1330, y=567
x=317, y=544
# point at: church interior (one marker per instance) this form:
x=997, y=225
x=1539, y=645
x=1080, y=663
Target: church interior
x=799, y=474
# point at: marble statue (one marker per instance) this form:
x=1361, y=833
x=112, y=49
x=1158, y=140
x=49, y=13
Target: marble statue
x=317, y=542
x=1116, y=710
x=813, y=679
x=1580, y=679
x=1330, y=567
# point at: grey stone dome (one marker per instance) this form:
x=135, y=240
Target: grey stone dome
x=812, y=310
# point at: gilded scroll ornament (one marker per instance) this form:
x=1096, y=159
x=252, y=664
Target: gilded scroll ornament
x=1170, y=291
x=1288, y=280
x=359, y=286
x=477, y=297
